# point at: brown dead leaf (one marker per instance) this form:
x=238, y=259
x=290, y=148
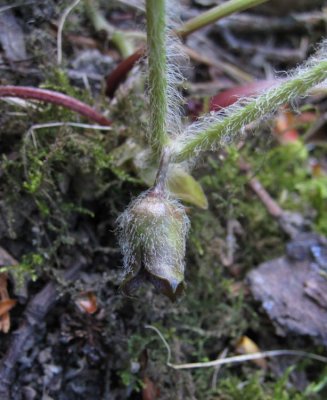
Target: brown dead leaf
x=245, y=345
x=6, y=305
x=150, y=391
x=5, y=323
x=285, y=129
x=87, y=302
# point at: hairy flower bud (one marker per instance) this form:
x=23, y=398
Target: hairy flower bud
x=152, y=236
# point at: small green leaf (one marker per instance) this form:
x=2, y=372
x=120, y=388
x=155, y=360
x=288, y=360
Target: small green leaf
x=186, y=188
x=180, y=183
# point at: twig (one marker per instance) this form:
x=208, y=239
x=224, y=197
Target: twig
x=257, y=23
x=290, y=222
x=271, y=205
x=35, y=313
x=231, y=70
x=73, y=124
x=250, y=357
x=235, y=359
x=60, y=99
x=60, y=29
x=216, y=13
x=121, y=39
x=163, y=340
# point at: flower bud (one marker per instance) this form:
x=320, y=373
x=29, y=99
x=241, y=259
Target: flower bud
x=152, y=235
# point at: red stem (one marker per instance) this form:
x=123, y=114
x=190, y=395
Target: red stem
x=118, y=75
x=60, y=99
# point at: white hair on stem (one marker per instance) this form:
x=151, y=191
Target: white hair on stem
x=175, y=78
x=172, y=78
x=219, y=128
x=177, y=61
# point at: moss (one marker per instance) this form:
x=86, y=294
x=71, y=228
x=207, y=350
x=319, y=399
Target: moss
x=254, y=388
x=287, y=175
x=53, y=179
x=28, y=269
x=212, y=315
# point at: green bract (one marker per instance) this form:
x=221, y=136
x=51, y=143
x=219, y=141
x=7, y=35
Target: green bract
x=152, y=235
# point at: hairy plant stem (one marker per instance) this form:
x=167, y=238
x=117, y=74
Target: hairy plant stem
x=216, y=13
x=210, y=16
x=261, y=106
x=160, y=184
x=157, y=64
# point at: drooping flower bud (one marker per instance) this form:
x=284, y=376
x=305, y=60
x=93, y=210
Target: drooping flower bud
x=152, y=236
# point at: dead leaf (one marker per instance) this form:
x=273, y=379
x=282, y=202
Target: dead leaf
x=5, y=323
x=150, y=391
x=6, y=305
x=230, y=96
x=285, y=127
x=245, y=345
x=87, y=302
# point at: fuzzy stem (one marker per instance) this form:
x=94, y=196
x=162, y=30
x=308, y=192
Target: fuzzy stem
x=213, y=15
x=264, y=104
x=157, y=61
x=160, y=184
x=216, y=13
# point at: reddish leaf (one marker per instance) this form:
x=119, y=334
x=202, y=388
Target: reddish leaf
x=119, y=74
x=5, y=323
x=150, y=391
x=284, y=127
x=6, y=305
x=87, y=302
x=230, y=96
